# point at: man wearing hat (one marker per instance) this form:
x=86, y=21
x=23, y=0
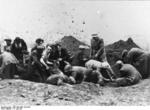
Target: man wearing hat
x=97, y=48
x=7, y=47
x=80, y=58
x=129, y=75
x=39, y=47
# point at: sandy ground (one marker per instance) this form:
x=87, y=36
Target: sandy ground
x=25, y=93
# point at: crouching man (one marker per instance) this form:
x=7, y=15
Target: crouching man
x=77, y=73
x=8, y=64
x=129, y=75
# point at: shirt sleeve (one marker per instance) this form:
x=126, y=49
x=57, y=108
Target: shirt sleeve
x=44, y=55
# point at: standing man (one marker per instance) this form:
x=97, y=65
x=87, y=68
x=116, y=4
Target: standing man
x=97, y=49
x=98, y=52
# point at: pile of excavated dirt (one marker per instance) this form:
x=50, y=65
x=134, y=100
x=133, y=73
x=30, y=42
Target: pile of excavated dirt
x=71, y=43
x=113, y=51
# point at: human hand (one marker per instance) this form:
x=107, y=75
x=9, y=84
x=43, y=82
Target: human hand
x=96, y=55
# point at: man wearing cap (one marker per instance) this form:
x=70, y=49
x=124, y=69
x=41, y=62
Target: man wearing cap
x=39, y=47
x=97, y=49
x=98, y=52
x=129, y=74
x=7, y=45
x=35, y=69
x=38, y=42
x=80, y=58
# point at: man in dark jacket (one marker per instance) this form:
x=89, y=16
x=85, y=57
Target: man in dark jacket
x=62, y=55
x=140, y=59
x=129, y=75
x=97, y=49
x=19, y=48
x=80, y=58
x=39, y=47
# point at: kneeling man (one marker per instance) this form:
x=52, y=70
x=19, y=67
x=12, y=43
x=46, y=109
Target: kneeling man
x=129, y=74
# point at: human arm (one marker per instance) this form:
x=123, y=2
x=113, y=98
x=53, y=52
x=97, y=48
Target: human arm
x=49, y=63
x=1, y=64
x=44, y=63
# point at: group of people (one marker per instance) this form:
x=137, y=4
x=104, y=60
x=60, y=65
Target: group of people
x=16, y=60
x=55, y=65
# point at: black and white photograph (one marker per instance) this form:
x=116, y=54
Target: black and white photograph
x=74, y=53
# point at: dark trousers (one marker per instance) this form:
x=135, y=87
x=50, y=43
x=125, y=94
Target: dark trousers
x=9, y=71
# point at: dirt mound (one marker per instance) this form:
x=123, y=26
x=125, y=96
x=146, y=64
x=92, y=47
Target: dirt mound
x=120, y=45
x=71, y=43
x=114, y=50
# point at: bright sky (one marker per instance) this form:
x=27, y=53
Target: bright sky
x=52, y=19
